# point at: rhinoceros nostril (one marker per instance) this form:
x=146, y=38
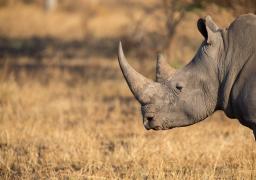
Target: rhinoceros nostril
x=150, y=119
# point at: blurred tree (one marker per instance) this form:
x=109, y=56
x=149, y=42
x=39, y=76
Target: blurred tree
x=238, y=6
x=174, y=12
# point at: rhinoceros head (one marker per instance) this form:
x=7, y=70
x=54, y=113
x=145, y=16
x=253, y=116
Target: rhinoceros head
x=183, y=97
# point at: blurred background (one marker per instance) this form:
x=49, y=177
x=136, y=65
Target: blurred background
x=66, y=111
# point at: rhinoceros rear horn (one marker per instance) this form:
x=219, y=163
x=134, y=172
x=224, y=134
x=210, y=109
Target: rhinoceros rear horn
x=136, y=82
x=163, y=69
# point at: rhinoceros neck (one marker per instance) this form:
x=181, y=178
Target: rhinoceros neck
x=225, y=77
x=238, y=51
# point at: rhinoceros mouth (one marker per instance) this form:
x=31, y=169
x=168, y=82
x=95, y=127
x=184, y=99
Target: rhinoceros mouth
x=156, y=128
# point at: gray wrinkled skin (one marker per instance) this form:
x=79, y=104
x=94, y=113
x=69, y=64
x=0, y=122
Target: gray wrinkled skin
x=221, y=76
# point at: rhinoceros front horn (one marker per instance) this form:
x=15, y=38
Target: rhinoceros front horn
x=136, y=82
x=163, y=70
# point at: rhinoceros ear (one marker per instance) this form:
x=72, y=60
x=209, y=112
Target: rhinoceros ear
x=207, y=28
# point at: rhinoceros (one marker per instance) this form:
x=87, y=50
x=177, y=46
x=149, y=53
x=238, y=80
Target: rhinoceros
x=221, y=76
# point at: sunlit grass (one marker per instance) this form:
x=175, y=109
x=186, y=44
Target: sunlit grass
x=95, y=131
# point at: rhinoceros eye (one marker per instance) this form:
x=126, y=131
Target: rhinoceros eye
x=179, y=87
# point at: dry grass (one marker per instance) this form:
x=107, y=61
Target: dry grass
x=93, y=130
x=62, y=124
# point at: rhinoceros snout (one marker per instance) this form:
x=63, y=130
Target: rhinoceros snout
x=151, y=123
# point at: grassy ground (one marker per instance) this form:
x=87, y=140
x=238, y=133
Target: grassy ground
x=66, y=112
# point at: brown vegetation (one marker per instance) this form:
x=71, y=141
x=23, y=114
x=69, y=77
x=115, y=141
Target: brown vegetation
x=66, y=112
